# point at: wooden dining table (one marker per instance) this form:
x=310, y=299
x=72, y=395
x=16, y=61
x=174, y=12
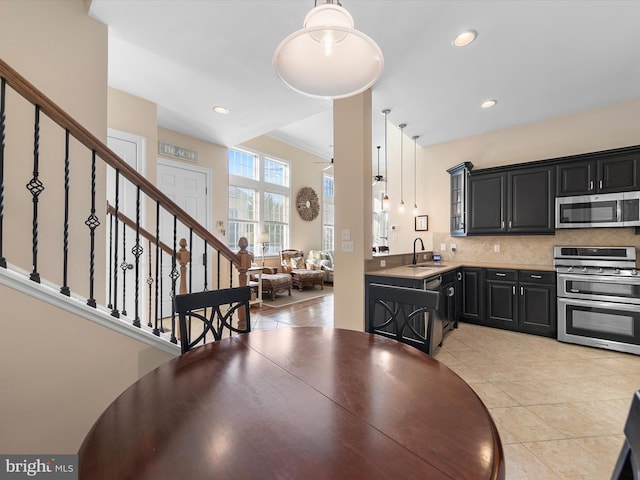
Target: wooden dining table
x=296, y=403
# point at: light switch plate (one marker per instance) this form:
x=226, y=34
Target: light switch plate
x=346, y=234
x=347, y=246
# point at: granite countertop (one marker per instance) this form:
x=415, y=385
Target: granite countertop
x=429, y=269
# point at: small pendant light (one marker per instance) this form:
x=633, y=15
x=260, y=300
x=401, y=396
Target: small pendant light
x=402, y=125
x=415, y=174
x=378, y=178
x=385, y=200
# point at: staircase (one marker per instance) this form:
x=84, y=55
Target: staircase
x=62, y=243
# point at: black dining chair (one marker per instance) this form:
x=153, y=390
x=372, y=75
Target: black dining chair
x=628, y=465
x=214, y=311
x=404, y=314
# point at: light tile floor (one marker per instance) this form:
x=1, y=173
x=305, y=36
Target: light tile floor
x=560, y=408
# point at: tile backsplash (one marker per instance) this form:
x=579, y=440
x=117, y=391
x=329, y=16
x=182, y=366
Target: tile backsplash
x=529, y=249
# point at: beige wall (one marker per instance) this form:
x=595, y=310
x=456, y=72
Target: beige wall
x=592, y=130
x=59, y=372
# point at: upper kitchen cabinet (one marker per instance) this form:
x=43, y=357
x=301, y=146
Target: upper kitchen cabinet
x=607, y=174
x=514, y=200
x=458, y=215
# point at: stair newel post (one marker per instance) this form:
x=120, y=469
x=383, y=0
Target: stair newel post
x=92, y=222
x=114, y=310
x=184, y=258
x=245, y=264
x=3, y=122
x=174, y=277
x=137, y=251
x=36, y=187
x=65, y=230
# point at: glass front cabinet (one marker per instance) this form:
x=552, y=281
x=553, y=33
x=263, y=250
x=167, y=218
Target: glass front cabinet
x=458, y=214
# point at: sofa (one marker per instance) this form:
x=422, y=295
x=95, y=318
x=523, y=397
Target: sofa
x=302, y=275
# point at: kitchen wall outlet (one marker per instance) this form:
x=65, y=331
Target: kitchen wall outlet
x=346, y=234
x=347, y=246
x=424, y=256
x=496, y=248
x=453, y=247
x=443, y=247
x=383, y=263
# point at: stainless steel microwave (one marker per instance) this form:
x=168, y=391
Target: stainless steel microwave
x=607, y=210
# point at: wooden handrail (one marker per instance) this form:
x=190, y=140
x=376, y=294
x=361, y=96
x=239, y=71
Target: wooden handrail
x=59, y=116
x=145, y=233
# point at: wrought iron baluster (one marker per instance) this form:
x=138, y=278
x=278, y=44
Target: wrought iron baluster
x=3, y=122
x=65, y=251
x=191, y=260
x=114, y=310
x=110, y=304
x=92, y=222
x=206, y=266
x=137, y=251
x=218, y=265
x=36, y=187
x=150, y=283
x=161, y=294
x=156, y=330
x=124, y=266
x=174, y=276
x=230, y=274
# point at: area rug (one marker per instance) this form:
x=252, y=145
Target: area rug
x=297, y=296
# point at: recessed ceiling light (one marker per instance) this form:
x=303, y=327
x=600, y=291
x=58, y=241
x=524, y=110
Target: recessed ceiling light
x=221, y=110
x=465, y=38
x=488, y=103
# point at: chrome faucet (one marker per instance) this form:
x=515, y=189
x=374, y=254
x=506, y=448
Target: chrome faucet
x=415, y=258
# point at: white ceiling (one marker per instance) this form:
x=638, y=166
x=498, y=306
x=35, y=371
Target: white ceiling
x=538, y=58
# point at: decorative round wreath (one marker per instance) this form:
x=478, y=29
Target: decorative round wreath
x=307, y=204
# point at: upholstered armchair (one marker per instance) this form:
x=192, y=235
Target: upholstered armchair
x=293, y=262
x=326, y=264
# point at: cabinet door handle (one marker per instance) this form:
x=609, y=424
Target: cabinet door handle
x=600, y=184
x=513, y=289
x=536, y=276
x=509, y=223
x=459, y=276
x=591, y=185
x=501, y=274
x=502, y=224
x=521, y=290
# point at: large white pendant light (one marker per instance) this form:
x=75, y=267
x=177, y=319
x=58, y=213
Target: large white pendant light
x=328, y=57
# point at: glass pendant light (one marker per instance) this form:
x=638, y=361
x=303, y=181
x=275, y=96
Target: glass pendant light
x=385, y=200
x=415, y=174
x=328, y=58
x=402, y=125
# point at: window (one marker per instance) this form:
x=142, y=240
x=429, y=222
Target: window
x=327, y=212
x=258, y=201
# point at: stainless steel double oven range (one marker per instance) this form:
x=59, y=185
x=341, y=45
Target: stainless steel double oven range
x=599, y=297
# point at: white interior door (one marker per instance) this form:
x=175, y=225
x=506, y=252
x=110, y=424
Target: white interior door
x=131, y=148
x=187, y=186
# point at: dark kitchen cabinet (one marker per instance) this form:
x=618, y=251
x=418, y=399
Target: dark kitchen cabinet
x=524, y=301
x=518, y=200
x=452, y=303
x=501, y=306
x=472, y=294
x=537, y=302
x=607, y=174
x=458, y=205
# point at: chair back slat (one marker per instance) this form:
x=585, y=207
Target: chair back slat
x=628, y=465
x=214, y=311
x=405, y=314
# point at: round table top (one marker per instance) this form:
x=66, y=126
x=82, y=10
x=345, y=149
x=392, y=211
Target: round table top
x=296, y=403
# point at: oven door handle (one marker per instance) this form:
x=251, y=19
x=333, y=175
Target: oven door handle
x=599, y=278
x=624, y=307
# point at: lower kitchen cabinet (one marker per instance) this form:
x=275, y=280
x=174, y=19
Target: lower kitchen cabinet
x=519, y=300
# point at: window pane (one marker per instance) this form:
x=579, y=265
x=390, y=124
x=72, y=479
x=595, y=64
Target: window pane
x=276, y=207
x=327, y=238
x=242, y=203
x=278, y=235
x=276, y=172
x=241, y=229
x=328, y=187
x=243, y=164
x=327, y=214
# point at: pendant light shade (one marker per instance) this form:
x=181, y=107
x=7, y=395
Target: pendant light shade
x=328, y=57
